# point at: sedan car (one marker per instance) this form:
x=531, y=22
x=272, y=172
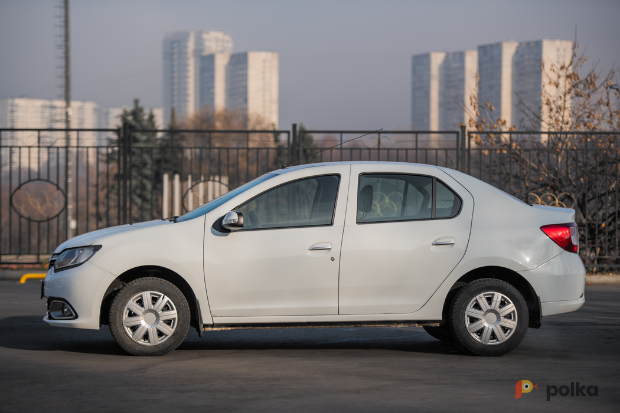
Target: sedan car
x=330, y=244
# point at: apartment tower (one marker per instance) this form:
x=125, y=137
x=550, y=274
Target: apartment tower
x=441, y=86
x=213, y=80
x=252, y=84
x=181, y=58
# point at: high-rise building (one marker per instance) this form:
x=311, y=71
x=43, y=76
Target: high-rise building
x=181, y=58
x=252, y=84
x=443, y=83
x=456, y=84
x=528, y=81
x=495, y=63
x=425, y=90
x=213, y=80
x=26, y=113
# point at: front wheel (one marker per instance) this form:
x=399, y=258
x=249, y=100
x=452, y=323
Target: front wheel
x=149, y=317
x=489, y=317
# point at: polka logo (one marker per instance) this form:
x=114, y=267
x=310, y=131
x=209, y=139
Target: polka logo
x=524, y=386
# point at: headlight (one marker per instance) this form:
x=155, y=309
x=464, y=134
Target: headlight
x=75, y=256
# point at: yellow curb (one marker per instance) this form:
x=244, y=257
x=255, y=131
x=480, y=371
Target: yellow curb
x=25, y=277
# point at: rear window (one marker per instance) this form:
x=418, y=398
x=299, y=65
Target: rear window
x=447, y=203
x=401, y=197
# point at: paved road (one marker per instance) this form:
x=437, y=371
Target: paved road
x=316, y=370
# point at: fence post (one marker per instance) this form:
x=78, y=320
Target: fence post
x=458, y=151
x=123, y=173
x=468, y=166
x=119, y=134
x=288, y=149
x=462, y=152
x=176, y=195
x=296, y=141
x=165, y=202
x=130, y=172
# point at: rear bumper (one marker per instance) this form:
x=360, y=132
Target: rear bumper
x=562, y=279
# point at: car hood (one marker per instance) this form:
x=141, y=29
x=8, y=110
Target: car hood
x=94, y=236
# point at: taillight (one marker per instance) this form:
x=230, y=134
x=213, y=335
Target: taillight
x=565, y=235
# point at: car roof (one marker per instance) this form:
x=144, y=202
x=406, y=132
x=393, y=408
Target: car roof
x=315, y=165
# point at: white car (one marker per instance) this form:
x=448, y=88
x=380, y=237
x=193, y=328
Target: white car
x=331, y=244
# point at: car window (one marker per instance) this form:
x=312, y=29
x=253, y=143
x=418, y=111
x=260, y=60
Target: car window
x=305, y=202
x=400, y=197
x=394, y=198
x=447, y=203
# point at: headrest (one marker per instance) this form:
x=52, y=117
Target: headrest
x=365, y=199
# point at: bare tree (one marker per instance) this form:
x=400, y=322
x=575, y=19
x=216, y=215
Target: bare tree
x=236, y=157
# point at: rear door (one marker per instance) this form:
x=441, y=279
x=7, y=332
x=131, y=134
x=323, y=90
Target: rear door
x=407, y=227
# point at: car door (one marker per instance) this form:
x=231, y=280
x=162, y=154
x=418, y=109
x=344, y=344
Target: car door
x=407, y=227
x=285, y=259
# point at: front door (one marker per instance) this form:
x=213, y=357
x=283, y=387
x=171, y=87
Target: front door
x=405, y=232
x=284, y=261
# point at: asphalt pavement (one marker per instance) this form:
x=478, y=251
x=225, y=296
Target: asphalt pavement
x=307, y=370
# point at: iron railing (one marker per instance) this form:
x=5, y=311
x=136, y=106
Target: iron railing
x=55, y=184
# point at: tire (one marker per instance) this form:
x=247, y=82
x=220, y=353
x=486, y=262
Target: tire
x=151, y=330
x=494, y=330
x=441, y=333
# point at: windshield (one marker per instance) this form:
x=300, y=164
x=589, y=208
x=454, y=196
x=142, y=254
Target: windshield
x=211, y=205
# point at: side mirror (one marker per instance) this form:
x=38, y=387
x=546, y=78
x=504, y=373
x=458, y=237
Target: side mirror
x=233, y=221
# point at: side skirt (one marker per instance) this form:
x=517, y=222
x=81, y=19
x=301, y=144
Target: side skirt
x=277, y=326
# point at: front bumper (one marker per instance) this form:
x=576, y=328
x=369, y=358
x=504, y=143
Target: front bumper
x=558, y=307
x=83, y=288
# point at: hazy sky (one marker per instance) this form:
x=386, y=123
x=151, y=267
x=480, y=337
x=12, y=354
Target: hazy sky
x=343, y=64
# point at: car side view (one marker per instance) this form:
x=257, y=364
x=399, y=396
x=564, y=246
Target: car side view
x=331, y=244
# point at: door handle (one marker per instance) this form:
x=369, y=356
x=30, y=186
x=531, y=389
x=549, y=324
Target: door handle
x=321, y=246
x=444, y=241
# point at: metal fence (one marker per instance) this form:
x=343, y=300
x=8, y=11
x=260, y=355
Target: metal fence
x=440, y=148
x=55, y=184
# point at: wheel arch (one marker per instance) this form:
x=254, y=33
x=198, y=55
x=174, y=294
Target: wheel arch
x=507, y=275
x=149, y=271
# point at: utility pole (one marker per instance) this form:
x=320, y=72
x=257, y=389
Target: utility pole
x=71, y=219
x=67, y=45
x=65, y=57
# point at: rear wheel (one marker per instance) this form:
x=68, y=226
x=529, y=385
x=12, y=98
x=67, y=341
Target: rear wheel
x=489, y=317
x=149, y=317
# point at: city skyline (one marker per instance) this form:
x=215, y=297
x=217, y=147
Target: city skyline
x=341, y=76
x=201, y=70
x=28, y=113
x=442, y=84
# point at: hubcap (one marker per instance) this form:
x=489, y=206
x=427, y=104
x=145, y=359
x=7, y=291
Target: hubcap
x=491, y=318
x=149, y=318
